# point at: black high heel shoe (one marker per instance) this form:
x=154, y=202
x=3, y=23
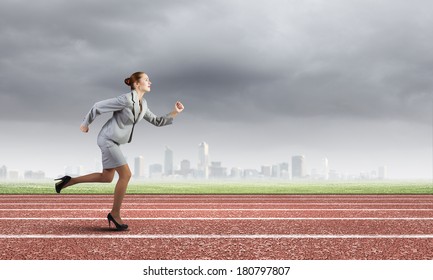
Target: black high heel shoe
x=118, y=226
x=63, y=181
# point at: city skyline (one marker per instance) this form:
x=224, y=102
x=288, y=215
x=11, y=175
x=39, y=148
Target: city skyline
x=296, y=167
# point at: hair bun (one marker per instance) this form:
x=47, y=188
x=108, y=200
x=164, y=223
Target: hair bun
x=128, y=81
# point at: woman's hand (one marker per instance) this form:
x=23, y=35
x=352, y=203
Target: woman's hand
x=84, y=128
x=178, y=107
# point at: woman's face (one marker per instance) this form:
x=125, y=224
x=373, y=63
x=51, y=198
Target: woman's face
x=143, y=84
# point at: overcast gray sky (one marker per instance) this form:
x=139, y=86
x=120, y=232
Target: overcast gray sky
x=260, y=81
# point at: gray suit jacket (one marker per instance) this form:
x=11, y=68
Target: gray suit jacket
x=119, y=127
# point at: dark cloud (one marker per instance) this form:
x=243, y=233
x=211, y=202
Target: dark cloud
x=234, y=63
x=359, y=59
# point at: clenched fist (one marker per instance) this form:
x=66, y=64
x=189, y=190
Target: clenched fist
x=178, y=107
x=84, y=129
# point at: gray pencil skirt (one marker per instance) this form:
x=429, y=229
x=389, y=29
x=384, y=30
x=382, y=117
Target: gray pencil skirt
x=112, y=156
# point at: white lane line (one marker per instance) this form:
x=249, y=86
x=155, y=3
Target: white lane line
x=221, y=197
x=218, y=209
x=231, y=218
x=281, y=200
x=215, y=236
x=215, y=203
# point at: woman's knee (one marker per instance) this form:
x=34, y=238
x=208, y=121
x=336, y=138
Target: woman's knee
x=127, y=175
x=124, y=172
x=107, y=176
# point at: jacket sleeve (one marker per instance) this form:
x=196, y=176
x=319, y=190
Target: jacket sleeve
x=157, y=121
x=105, y=106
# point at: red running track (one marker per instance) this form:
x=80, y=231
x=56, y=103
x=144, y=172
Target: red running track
x=242, y=227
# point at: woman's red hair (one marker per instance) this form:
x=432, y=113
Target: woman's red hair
x=133, y=79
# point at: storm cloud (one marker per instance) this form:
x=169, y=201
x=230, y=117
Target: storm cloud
x=236, y=65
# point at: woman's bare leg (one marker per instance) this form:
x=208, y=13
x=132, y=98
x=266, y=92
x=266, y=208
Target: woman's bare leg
x=105, y=177
x=120, y=190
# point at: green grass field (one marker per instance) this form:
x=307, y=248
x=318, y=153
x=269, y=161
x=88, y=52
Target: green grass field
x=222, y=187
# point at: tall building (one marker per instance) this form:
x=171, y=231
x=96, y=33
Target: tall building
x=3, y=172
x=285, y=170
x=155, y=171
x=139, y=167
x=276, y=171
x=266, y=170
x=382, y=173
x=203, y=160
x=325, y=171
x=185, y=167
x=298, y=167
x=217, y=171
x=168, y=162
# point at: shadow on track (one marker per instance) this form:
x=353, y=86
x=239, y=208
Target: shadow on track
x=94, y=229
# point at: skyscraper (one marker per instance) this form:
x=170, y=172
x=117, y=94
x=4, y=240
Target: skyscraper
x=155, y=171
x=276, y=171
x=203, y=160
x=216, y=170
x=3, y=172
x=298, y=167
x=284, y=170
x=325, y=171
x=266, y=170
x=382, y=173
x=139, y=167
x=185, y=167
x=168, y=162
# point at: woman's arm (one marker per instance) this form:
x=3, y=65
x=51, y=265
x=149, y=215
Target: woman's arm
x=164, y=120
x=101, y=107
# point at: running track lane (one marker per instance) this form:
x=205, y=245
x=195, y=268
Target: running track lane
x=218, y=227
